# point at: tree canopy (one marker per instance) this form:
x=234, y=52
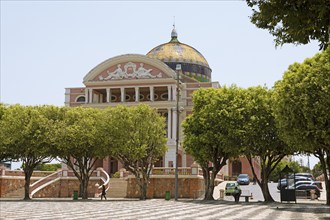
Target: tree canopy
x=78, y=143
x=302, y=101
x=260, y=137
x=25, y=135
x=294, y=21
x=136, y=137
x=212, y=129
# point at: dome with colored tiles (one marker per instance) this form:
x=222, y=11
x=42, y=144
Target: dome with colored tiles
x=193, y=63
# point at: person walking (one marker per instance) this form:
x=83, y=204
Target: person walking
x=103, y=193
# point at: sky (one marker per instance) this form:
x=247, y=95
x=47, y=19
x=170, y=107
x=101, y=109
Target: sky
x=47, y=46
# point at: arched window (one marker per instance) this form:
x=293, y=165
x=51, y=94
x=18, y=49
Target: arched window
x=81, y=99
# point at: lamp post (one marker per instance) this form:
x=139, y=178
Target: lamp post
x=178, y=68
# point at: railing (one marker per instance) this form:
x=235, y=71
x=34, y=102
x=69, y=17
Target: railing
x=45, y=181
x=181, y=171
x=171, y=171
x=104, y=177
x=37, y=173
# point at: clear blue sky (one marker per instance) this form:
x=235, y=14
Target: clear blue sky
x=47, y=46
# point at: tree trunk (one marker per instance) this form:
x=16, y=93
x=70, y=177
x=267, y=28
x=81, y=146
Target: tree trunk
x=265, y=191
x=326, y=179
x=325, y=163
x=206, y=175
x=143, y=189
x=209, y=195
x=84, y=184
x=28, y=173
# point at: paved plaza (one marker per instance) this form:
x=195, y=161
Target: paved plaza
x=158, y=209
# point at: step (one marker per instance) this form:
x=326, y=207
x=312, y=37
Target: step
x=118, y=188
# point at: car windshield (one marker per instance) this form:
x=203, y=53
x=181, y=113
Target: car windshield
x=243, y=176
x=230, y=184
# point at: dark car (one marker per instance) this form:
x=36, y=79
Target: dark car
x=308, y=188
x=283, y=182
x=304, y=182
x=309, y=175
x=243, y=179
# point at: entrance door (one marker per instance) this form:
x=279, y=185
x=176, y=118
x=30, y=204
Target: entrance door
x=113, y=166
x=236, y=167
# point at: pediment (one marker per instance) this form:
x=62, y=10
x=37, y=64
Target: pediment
x=129, y=67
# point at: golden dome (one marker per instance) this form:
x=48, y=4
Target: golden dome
x=174, y=51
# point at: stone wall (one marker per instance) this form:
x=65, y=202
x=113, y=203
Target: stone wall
x=60, y=189
x=65, y=187
x=12, y=183
x=189, y=187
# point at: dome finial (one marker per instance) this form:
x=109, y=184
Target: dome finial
x=174, y=34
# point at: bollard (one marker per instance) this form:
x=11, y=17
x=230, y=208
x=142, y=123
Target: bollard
x=313, y=195
x=222, y=194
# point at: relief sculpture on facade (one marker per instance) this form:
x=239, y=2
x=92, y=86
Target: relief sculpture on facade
x=130, y=71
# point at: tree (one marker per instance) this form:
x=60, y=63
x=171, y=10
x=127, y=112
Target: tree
x=295, y=21
x=294, y=165
x=49, y=167
x=302, y=100
x=260, y=136
x=136, y=137
x=78, y=142
x=317, y=170
x=25, y=136
x=211, y=130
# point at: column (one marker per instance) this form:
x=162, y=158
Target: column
x=86, y=95
x=90, y=96
x=151, y=93
x=123, y=95
x=108, y=95
x=174, y=125
x=137, y=94
x=174, y=92
x=169, y=92
x=184, y=159
x=169, y=120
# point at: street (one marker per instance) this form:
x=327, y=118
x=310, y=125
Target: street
x=257, y=194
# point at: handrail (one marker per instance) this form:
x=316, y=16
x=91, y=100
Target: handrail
x=107, y=179
x=43, y=182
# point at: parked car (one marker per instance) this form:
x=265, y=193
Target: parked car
x=230, y=188
x=306, y=182
x=283, y=182
x=243, y=179
x=308, y=188
x=309, y=175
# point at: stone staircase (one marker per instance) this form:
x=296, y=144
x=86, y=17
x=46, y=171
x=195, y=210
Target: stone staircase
x=18, y=193
x=118, y=188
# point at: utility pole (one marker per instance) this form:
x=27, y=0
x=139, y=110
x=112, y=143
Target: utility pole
x=178, y=69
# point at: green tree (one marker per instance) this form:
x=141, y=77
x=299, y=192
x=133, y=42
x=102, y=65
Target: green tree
x=211, y=130
x=48, y=167
x=136, y=137
x=294, y=165
x=302, y=100
x=260, y=138
x=77, y=141
x=25, y=136
x=3, y=156
x=294, y=21
x=317, y=170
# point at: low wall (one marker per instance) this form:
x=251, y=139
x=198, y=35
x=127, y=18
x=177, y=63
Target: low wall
x=12, y=183
x=65, y=187
x=189, y=186
x=62, y=188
